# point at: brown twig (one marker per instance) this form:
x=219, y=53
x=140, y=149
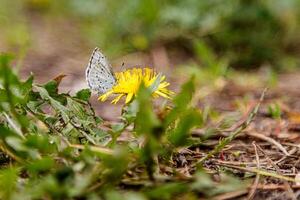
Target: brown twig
x=270, y=140
x=256, y=181
x=286, y=184
x=291, y=152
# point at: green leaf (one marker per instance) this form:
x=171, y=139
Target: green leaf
x=41, y=143
x=274, y=110
x=204, y=53
x=15, y=143
x=185, y=95
x=76, y=109
x=6, y=132
x=41, y=165
x=51, y=87
x=116, y=195
x=83, y=94
x=27, y=85
x=148, y=125
x=190, y=119
x=146, y=120
x=8, y=181
x=116, y=165
x=167, y=191
x=11, y=93
x=204, y=183
x=130, y=111
x=56, y=104
x=181, y=102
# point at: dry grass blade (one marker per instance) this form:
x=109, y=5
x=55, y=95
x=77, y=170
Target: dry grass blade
x=261, y=172
x=93, y=148
x=233, y=134
x=275, y=187
x=286, y=184
x=256, y=181
x=230, y=195
x=291, y=152
x=10, y=153
x=270, y=140
x=13, y=125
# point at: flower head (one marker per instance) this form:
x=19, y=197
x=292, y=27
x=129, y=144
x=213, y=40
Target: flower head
x=129, y=81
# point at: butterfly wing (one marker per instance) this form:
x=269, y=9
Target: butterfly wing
x=99, y=74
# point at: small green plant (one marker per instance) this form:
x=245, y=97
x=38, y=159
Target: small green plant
x=53, y=145
x=274, y=111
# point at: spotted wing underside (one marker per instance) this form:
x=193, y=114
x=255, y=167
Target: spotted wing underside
x=99, y=74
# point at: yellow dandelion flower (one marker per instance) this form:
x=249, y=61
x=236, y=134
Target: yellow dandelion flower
x=129, y=81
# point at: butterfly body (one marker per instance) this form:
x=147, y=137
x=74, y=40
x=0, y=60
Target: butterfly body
x=99, y=74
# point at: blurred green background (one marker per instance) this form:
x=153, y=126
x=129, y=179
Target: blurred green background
x=248, y=33
x=207, y=38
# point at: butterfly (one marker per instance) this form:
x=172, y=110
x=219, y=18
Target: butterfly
x=99, y=74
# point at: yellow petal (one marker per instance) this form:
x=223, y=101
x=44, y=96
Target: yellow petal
x=117, y=99
x=104, y=96
x=129, y=81
x=162, y=94
x=129, y=97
